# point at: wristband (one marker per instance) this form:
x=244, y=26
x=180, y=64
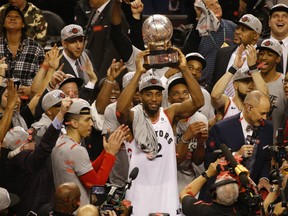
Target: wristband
x=253, y=67
x=184, y=141
x=50, y=85
x=232, y=69
x=108, y=81
x=204, y=174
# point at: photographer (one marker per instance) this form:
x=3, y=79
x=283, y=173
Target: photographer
x=224, y=194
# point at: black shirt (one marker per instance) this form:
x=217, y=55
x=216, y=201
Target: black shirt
x=191, y=206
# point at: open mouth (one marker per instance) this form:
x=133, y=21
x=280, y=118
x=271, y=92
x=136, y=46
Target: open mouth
x=263, y=65
x=113, y=99
x=280, y=25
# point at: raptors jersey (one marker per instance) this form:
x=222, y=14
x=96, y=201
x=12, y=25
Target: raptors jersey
x=232, y=109
x=155, y=188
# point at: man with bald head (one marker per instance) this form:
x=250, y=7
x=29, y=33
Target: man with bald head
x=236, y=132
x=67, y=199
x=88, y=210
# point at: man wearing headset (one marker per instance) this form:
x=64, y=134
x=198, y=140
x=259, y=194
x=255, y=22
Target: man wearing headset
x=224, y=193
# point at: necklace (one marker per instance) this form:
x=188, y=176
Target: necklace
x=224, y=36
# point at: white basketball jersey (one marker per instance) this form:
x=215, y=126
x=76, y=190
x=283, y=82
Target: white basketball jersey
x=232, y=109
x=155, y=188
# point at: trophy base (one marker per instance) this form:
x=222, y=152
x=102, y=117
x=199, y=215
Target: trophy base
x=161, y=58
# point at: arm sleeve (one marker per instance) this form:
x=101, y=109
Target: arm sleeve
x=100, y=172
x=192, y=41
x=121, y=42
x=212, y=144
x=191, y=206
x=33, y=161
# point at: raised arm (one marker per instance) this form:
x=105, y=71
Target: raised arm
x=103, y=98
x=259, y=82
x=190, y=106
x=195, y=186
x=8, y=112
x=218, y=98
x=125, y=99
x=121, y=42
x=46, y=71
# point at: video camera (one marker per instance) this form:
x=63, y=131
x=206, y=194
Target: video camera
x=115, y=197
x=276, y=178
x=249, y=195
x=279, y=151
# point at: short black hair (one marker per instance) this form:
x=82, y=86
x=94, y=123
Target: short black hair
x=176, y=82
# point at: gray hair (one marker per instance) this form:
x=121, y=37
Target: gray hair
x=227, y=194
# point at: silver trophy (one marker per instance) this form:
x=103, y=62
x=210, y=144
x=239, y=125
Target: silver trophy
x=157, y=32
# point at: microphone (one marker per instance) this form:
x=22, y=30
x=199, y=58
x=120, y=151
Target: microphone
x=133, y=175
x=239, y=169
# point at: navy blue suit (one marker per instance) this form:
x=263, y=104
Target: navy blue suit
x=229, y=131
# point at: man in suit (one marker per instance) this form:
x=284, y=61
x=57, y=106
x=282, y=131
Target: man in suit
x=236, y=132
x=98, y=33
x=75, y=59
x=248, y=31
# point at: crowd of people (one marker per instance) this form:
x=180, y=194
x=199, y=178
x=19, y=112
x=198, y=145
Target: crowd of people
x=206, y=134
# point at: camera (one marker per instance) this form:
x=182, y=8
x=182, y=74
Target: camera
x=279, y=151
x=115, y=198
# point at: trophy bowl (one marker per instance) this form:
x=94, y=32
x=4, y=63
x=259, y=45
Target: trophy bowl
x=157, y=33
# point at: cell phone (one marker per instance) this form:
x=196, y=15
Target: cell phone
x=98, y=190
x=159, y=214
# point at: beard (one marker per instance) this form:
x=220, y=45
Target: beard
x=149, y=111
x=241, y=95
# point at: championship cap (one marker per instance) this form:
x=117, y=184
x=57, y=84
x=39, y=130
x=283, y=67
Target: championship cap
x=150, y=82
x=251, y=22
x=272, y=45
x=52, y=98
x=71, y=31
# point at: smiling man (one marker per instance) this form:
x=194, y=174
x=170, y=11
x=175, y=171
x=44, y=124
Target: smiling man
x=278, y=23
x=75, y=58
x=269, y=56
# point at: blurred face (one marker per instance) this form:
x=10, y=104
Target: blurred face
x=4, y=101
x=279, y=24
x=18, y=3
x=74, y=48
x=270, y=60
x=13, y=21
x=70, y=89
x=53, y=111
x=243, y=87
x=285, y=85
x=195, y=68
x=258, y=112
x=215, y=7
x=136, y=98
x=84, y=125
x=244, y=35
x=116, y=91
x=178, y=94
x=151, y=100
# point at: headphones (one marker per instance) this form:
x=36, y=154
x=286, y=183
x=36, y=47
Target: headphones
x=212, y=188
